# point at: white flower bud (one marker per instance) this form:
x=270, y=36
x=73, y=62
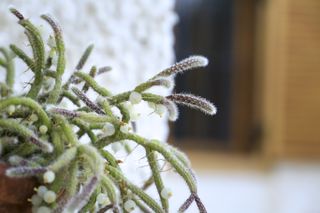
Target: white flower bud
x=108, y=129
x=129, y=205
x=49, y=176
x=49, y=197
x=128, y=105
x=125, y=128
x=41, y=190
x=160, y=109
x=135, y=97
x=99, y=99
x=43, y=209
x=33, y=117
x=36, y=200
x=116, y=147
x=43, y=129
x=166, y=193
x=102, y=199
x=11, y=109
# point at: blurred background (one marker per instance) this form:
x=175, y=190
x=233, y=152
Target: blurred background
x=261, y=152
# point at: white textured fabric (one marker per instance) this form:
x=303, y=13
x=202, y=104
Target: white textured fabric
x=134, y=37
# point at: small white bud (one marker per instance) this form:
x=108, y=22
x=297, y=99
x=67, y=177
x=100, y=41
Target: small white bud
x=11, y=109
x=41, y=190
x=33, y=118
x=135, y=97
x=49, y=176
x=129, y=205
x=102, y=199
x=43, y=209
x=125, y=128
x=99, y=99
x=128, y=105
x=43, y=129
x=49, y=197
x=36, y=200
x=108, y=129
x=116, y=147
x=160, y=109
x=166, y=193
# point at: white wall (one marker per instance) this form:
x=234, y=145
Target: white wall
x=286, y=188
x=135, y=37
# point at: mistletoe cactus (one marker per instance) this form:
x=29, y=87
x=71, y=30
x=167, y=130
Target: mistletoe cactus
x=43, y=139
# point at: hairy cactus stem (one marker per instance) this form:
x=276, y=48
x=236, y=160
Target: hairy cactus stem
x=109, y=186
x=80, y=65
x=90, y=82
x=9, y=65
x=38, y=50
x=15, y=127
x=153, y=163
x=87, y=101
x=54, y=94
x=28, y=102
x=183, y=171
x=134, y=189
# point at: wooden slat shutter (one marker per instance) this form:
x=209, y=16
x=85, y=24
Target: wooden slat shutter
x=291, y=77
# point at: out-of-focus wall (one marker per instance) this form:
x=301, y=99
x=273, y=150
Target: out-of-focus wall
x=134, y=37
